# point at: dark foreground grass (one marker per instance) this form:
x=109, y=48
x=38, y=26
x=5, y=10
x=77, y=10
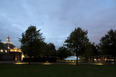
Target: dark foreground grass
x=58, y=70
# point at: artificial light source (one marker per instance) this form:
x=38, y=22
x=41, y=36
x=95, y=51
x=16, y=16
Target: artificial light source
x=99, y=64
x=46, y=63
x=6, y=51
x=1, y=50
x=105, y=59
x=21, y=63
x=95, y=59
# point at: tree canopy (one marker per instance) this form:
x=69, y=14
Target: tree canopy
x=49, y=50
x=91, y=50
x=77, y=41
x=1, y=45
x=31, y=42
x=108, y=43
x=63, y=52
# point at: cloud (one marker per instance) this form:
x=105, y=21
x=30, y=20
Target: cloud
x=56, y=18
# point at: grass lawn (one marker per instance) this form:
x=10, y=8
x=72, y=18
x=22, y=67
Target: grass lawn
x=57, y=70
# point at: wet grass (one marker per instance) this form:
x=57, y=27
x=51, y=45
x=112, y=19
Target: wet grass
x=57, y=70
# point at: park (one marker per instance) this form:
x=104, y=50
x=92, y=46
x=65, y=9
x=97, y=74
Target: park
x=57, y=70
x=42, y=59
x=51, y=62
x=57, y=38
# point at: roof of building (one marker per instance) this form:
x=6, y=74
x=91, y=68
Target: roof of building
x=11, y=46
x=8, y=45
x=71, y=58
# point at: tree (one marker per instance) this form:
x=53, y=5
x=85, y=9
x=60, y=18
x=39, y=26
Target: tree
x=77, y=42
x=91, y=50
x=63, y=52
x=49, y=50
x=31, y=42
x=108, y=44
x=1, y=45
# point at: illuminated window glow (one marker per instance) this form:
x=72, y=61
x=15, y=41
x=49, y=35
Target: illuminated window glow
x=1, y=50
x=6, y=51
x=8, y=48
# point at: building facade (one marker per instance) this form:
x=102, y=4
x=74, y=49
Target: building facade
x=9, y=52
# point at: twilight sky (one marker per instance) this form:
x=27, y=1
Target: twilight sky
x=56, y=18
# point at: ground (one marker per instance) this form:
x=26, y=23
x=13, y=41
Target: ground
x=57, y=70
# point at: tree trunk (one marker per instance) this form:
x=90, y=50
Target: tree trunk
x=114, y=59
x=30, y=60
x=77, y=60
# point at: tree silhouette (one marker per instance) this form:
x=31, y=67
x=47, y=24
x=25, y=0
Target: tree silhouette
x=77, y=42
x=91, y=50
x=49, y=50
x=108, y=44
x=1, y=45
x=31, y=42
x=63, y=52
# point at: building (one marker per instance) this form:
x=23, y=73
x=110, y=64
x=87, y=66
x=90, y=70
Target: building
x=9, y=52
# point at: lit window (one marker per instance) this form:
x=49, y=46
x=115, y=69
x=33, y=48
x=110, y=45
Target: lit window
x=1, y=50
x=8, y=48
x=6, y=51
